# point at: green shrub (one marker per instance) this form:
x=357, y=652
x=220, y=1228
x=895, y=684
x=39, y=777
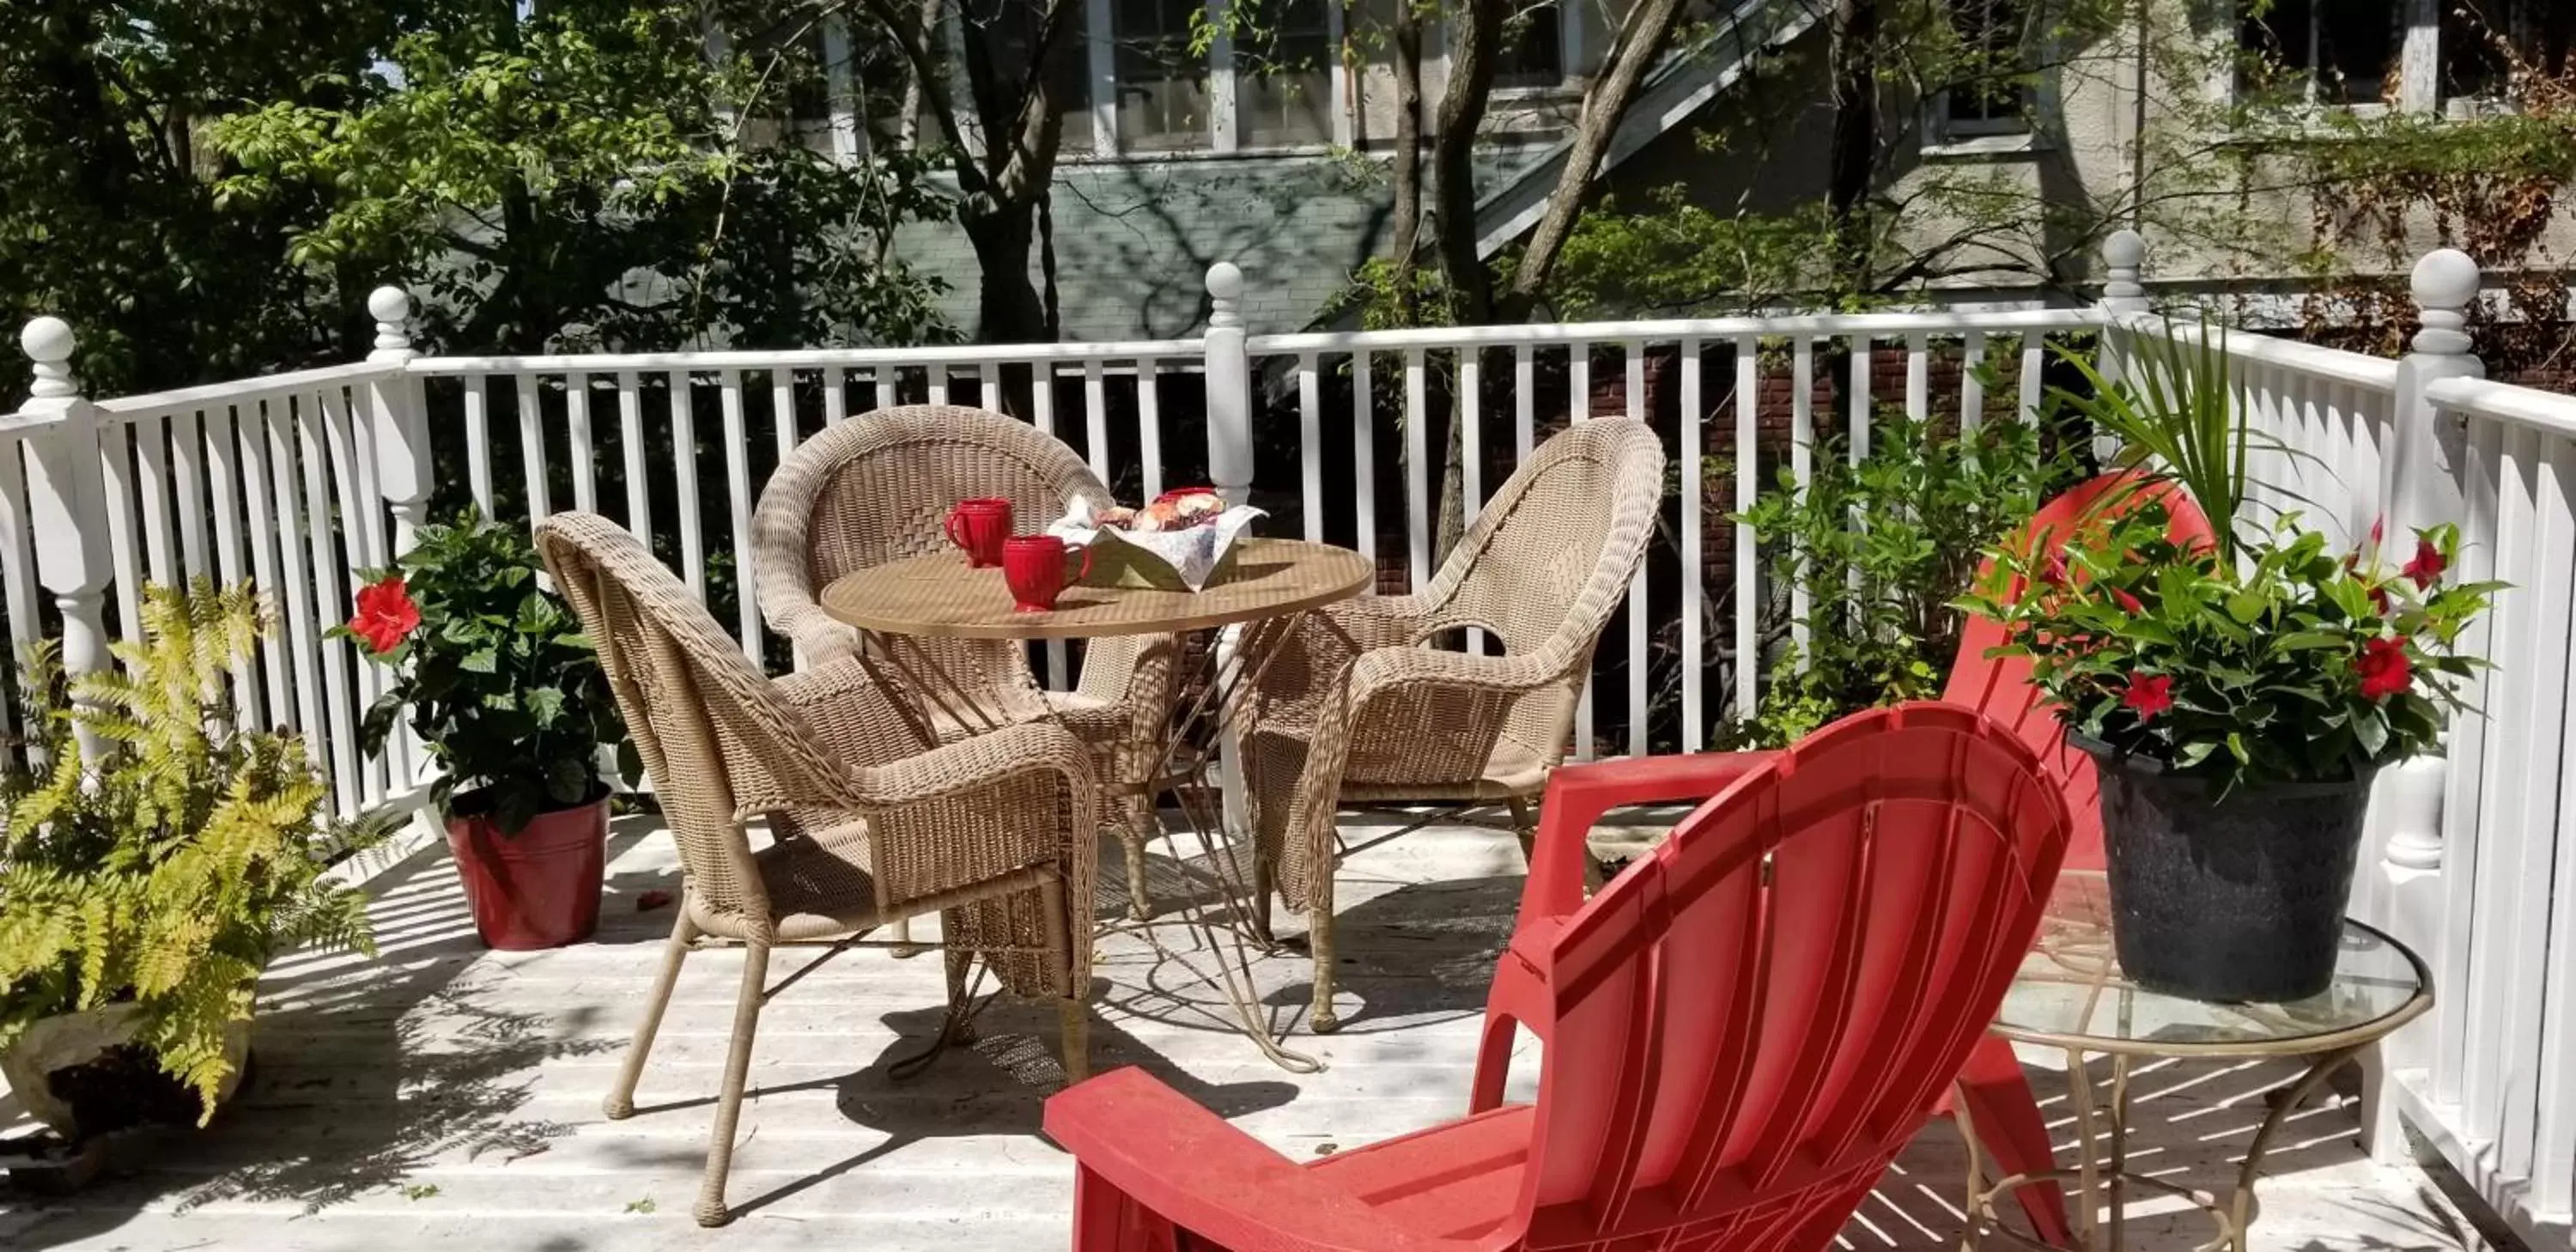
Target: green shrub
x=1884, y=548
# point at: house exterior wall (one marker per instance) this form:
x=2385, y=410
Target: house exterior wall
x=1134, y=233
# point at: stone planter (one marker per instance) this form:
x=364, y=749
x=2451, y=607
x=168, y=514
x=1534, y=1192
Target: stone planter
x=71, y=1040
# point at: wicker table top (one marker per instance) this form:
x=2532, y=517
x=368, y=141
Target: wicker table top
x=937, y=595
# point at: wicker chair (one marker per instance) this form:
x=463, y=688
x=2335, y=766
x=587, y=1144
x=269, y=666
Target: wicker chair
x=878, y=488
x=997, y=832
x=1354, y=709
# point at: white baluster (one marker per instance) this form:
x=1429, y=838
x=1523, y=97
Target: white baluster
x=1695, y=667
x=67, y=503
x=1417, y=470
x=1310, y=442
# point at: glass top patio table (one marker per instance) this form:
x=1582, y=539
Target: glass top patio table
x=2070, y=992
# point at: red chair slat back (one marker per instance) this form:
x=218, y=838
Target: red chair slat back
x=1752, y=1020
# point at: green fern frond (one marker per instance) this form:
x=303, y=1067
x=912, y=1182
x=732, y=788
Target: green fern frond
x=168, y=870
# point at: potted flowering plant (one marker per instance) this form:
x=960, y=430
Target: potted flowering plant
x=2238, y=694
x=505, y=692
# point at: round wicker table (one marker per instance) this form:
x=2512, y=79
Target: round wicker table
x=937, y=596
x=1269, y=587
x=2070, y=994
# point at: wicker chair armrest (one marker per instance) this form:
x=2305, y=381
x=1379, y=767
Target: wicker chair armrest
x=962, y=768
x=820, y=638
x=1379, y=621
x=1387, y=671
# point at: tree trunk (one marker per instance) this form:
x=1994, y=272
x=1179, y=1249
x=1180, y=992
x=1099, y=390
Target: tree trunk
x=1001, y=236
x=1408, y=154
x=1642, y=39
x=1476, y=35
x=1854, y=36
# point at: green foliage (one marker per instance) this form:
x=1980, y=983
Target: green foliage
x=2261, y=658
x=1884, y=549
x=107, y=215
x=2292, y=665
x=499, y=681
x=1676, y=257
x=207, y=189
x=170, y=872
x=526, y=170
x=2173, y=412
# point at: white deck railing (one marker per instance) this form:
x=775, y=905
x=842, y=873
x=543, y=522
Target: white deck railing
x=295, y=481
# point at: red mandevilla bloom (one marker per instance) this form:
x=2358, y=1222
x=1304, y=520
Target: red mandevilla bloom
x=2385, y=668
x=2427, y=565
x=2379, y=599
x=2127, y=601
x=386, y=614
x=2054, y=573
x=2148, y=695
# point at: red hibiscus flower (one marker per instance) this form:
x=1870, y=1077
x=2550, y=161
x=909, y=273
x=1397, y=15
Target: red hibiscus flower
x=2127, y=601
x=2384, y=668
x=2427, y=565
x=2148, y=694
x=386, y=614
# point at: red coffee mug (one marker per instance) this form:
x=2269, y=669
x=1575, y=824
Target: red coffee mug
x=979, y=526
x=1034, y=568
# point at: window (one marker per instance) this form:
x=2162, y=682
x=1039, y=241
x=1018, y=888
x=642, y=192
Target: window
x=1162, y=83
x=2485, y=42
x=1533, y=47
x=2339, y=52
x=1992, y=94
x=1283, y=53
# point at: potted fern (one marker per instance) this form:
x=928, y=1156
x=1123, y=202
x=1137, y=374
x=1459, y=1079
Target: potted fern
x=142, y=892
x=502, y=687
x=2238, y=695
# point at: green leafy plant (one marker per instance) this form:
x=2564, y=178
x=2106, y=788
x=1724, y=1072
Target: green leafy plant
x=2259, y=658
x=166, y=872
x=498, y=678
x=1884, y=549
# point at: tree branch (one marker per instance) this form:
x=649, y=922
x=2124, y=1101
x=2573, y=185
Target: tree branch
x=1641, y=41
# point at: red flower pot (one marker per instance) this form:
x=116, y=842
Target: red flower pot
x=538, y=888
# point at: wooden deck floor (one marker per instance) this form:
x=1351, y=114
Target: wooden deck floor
x=447, y=1098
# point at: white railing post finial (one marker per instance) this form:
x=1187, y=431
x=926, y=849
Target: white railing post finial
x=1229, y=386
x=403, y=467
x=391, y=307
x=67, y=503
x=2124, y=257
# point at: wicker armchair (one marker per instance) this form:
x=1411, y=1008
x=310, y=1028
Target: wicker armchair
x=878, y=488
x=997, y=832
x=1354, y=708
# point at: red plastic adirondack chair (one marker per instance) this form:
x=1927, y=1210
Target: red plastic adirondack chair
x=1999, y=1100
x=1745, y=1027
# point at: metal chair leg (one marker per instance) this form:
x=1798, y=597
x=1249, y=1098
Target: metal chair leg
x=620, y=1103
x=711, y=1210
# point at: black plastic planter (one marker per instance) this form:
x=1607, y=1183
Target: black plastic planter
x=2240, y=899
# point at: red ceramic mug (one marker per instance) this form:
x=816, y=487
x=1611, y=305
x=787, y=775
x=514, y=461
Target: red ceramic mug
x=980, y=526
x=1034, y=568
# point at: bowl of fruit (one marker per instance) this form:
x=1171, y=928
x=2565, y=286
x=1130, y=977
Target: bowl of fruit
x=1182, y=541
